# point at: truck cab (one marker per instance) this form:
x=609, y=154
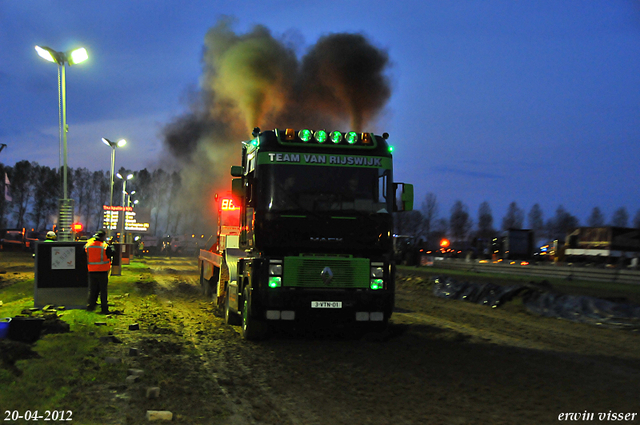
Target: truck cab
x=315, y=230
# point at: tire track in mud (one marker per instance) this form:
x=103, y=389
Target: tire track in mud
x=443, y=362
x=223, y=354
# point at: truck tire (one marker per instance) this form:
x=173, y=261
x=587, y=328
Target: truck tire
x=252, y=328
x=230, y=317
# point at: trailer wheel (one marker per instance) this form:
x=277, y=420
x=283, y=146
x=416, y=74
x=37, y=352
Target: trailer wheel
x=230, y=317
x=252, y=328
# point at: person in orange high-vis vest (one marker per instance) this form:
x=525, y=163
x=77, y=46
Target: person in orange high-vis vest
x=99, y=255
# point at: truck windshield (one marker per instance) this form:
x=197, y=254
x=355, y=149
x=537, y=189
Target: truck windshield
x=324, y=188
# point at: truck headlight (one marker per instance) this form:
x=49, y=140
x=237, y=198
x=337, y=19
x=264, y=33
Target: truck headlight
x=275, y=273
x=275, y=281
x=376, y=284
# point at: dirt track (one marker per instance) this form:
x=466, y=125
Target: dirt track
x=441, y=362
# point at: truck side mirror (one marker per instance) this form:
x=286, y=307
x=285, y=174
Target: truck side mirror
x=236, y=171
x=237, y=189
x=403, y=200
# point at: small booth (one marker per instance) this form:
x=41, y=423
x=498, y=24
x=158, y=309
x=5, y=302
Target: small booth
x=61, y=275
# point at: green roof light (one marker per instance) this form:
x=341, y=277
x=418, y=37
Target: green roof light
x=390, y=149
x=336, y=136
x=352, y=137
x=304, y=135
x=321, y=136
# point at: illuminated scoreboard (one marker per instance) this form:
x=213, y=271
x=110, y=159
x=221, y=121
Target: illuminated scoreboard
x=113, y=216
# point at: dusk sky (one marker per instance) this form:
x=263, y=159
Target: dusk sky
x=498, y=101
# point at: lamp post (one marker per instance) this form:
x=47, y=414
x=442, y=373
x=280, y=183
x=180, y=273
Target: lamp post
x=72, y=57
x=124, y=191
x=120, y=143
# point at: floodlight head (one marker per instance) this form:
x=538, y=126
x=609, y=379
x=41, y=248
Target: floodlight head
x=121, y=143
x=118, y=175
x=77, y=56
x=107, y=142
x=130, y=176
x=48, y=53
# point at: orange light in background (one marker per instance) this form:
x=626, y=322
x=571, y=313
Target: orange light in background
x=445, y=243
x=366, y=138
x=77, y=227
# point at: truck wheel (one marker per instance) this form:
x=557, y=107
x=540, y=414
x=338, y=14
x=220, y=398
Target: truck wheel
x=230, y=317
x=252, y=328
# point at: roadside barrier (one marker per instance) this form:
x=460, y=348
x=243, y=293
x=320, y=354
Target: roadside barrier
x=563, y=271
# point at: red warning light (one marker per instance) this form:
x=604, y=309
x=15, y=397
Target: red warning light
x=77, y=227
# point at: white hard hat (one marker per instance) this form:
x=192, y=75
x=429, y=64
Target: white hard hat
x=51, y=234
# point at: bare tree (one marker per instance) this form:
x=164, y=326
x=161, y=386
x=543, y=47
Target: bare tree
x=460, y=223
x=620, y=217
x=536, y=220
x=514, y=218
x=408, y=223
x=636, y=220
x=429, y=211
x=596, y=219
x=561, y=224
x=45, y=197
x=22, y=190
x=5, y=204
x=485, y=221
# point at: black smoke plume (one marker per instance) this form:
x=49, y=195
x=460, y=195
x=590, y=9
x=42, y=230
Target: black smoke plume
x=255, y=80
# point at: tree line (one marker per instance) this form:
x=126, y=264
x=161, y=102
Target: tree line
x=31, y=193
x=428, y=225
x=31, y=200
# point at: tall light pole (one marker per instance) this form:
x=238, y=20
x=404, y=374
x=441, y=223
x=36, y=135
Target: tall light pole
x=65, y=217
x=124, y=191
x=120, y=143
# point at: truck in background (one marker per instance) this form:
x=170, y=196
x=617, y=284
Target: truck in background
x=306, y=235
x=20, y=239
x=607, y=245
x=514, y=244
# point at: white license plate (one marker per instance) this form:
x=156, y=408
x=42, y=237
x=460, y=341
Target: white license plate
x=326, y=304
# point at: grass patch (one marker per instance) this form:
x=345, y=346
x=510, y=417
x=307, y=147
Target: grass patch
x=46, y=381
x=70, y=372
x=18, y=291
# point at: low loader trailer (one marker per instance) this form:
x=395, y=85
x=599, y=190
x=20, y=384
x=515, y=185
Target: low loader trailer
x=306, y=233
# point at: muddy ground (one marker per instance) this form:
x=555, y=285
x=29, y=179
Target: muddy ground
x=440, y=362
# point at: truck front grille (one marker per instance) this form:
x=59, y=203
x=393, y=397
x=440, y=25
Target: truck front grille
x=307, y=272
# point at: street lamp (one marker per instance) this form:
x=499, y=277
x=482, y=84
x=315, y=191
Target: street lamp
x=124, y=191
x=129, y=197
x=120, y=143
x=65, y=218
